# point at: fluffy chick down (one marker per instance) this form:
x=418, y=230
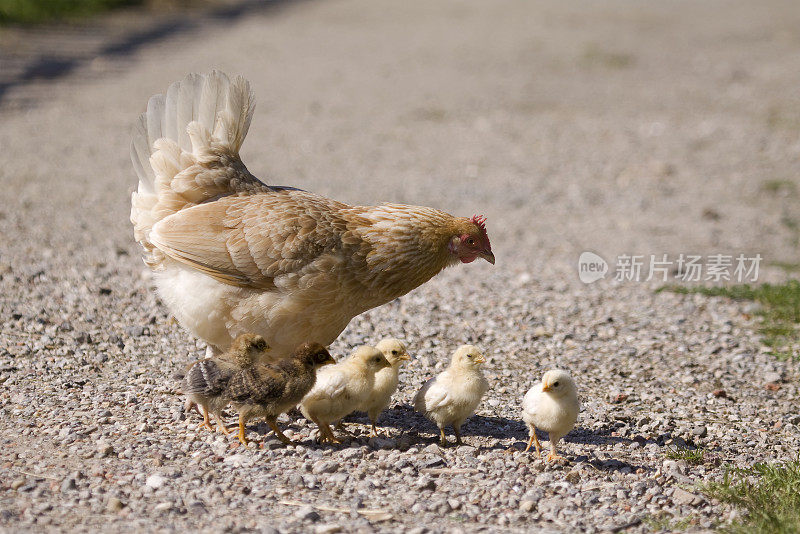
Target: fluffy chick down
x=386, y=380
x=551, y=405
x=452, y=396
x=206, y=380
x=269, y=389
x=342, y=388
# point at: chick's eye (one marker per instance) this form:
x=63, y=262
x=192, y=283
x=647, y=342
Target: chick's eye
x=555, y=384
x=394, y=352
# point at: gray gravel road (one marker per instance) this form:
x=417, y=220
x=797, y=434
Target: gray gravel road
x=620, y=127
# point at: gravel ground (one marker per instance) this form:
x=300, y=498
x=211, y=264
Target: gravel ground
x=624, y=128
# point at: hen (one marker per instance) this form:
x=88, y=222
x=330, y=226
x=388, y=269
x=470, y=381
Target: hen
x=232, y=255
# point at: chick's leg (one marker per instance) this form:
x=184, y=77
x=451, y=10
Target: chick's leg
x=221, y=424
x=273, y=424
x=442, y=439
x=554, y=456
x=206, y=421
x=241, y=436
x=535, y=441
x=457, y=432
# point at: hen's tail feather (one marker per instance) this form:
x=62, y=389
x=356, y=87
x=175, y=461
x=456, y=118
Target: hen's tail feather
x=185, y=149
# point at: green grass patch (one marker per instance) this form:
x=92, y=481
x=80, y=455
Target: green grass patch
x=691, y=456
x=768, y=494
x=666, y=522
x=780, y=309
x=778, y=186
x=37, y=11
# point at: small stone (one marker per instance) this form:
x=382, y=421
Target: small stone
x=163, y=507
x=772, y=376
x=617, y=398
x=382, y=443
x=155, y=481
x=683, y=497
x=425, y=483
x=68, y=485
x=307, y=513
x=323, y=467
x=104, y=449
x=238, y=460
x=720, y=393
x=432, y=449
x=573, y=476
x=328, y=528
x=114, y=505
x=18, y=483
x=772, y=386
x=700, y=431
x=527, y=506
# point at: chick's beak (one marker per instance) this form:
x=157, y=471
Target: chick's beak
x=546, y=388
x=329, y=360
x=405, y=357
x=487, y=255
x=480, y=359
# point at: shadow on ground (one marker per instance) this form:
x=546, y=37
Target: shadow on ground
x=51, y=65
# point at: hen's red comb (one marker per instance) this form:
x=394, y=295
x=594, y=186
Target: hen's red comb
x=480, y=220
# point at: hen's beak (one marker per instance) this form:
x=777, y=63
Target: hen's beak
x=488, y=256
x=546, y=388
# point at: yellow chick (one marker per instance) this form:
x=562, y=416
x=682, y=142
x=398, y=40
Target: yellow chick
x=552, y=406
x=342, y=388
x=452, y=396
x=386, y=379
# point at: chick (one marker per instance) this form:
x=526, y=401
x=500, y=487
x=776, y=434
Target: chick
x=206, y=380
x=386, y=379
x=342, y=388
x=269, y=389
x=552, y=406
x=453, y=395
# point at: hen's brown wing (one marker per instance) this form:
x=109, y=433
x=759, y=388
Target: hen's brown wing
x=249, y=240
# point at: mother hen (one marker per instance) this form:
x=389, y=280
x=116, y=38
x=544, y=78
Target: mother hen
x=233, y=255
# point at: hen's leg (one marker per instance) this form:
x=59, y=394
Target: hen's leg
x=280, y=435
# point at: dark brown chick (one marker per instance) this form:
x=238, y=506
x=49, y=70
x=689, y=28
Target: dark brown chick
x=206, y=380
x=269, y=389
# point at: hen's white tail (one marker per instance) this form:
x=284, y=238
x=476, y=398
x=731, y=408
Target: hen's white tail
x=185, y=149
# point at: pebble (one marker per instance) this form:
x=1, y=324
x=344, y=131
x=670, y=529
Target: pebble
x=307, y=513
x=155, y=481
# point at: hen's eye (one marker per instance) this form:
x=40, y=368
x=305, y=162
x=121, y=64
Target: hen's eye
x=471, y=242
